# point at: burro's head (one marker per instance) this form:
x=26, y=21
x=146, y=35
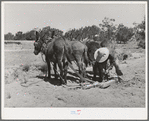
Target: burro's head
x=38, y=43
x=37, y=48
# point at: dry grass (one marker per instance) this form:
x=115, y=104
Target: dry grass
x=24, y=72
x=123, y=54
x=42, y=67
x=16, y=74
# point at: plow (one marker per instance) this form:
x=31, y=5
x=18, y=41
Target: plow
x=85, y=86
x=88, y=83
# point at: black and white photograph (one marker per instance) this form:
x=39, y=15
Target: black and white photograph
x=74, y=60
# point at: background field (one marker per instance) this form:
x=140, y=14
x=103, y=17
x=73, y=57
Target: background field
x=26, y=86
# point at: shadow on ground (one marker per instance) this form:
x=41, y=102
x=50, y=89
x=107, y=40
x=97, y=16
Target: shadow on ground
x=52, y=81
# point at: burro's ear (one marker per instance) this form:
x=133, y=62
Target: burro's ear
x=36, y=36
x=39, y=30
x=53, y=33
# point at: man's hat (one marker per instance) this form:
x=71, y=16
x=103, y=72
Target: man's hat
x=101, y=55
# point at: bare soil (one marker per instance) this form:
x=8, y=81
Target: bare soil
x=27, y=86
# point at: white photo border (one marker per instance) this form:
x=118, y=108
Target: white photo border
x=65, y=113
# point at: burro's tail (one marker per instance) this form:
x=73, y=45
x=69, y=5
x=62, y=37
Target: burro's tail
x=86, y=60
x=68, y=51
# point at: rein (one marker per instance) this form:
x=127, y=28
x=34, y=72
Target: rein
x=43, y=51
x=42, y=57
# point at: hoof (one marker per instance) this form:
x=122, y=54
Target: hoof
x=56, y=77
x=94, y=78
x=49, y=77
x=100, y=80
x=63, y=83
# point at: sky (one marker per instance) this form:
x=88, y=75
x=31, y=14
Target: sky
x=65, y=16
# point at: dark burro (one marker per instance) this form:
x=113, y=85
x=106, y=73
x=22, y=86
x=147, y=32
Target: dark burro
x=61, y=51
x=54, y=52
x=92, y=47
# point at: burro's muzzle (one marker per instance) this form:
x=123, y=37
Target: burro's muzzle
x=36, y=52
x=36, y=49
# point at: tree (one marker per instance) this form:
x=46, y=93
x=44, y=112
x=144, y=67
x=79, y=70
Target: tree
x=46, y=32
x=107, y=27
x=123, y=33
x=141, y=29
x=18, y=35
x=141, y=32
x=30, y=35
x=82, y=33
x=9, y=36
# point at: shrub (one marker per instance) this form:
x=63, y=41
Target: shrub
x=142, y=43
x=25, y=67
x=42, y=67
x=124, y=34
x=123, y=54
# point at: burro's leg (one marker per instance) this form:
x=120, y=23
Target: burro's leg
x=49, y=68
x=61, y=71
x=79, y=64
x=55, y=68
x=65, y=66
x=84, y=69
x=80, y=69
x=59, y=55
x=115, y=64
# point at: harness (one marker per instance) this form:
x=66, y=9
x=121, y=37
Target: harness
x=43, y=47
x=42, y=57
x=44, y=51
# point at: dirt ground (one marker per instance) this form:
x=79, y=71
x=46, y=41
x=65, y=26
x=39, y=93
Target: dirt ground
x=26, y=85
